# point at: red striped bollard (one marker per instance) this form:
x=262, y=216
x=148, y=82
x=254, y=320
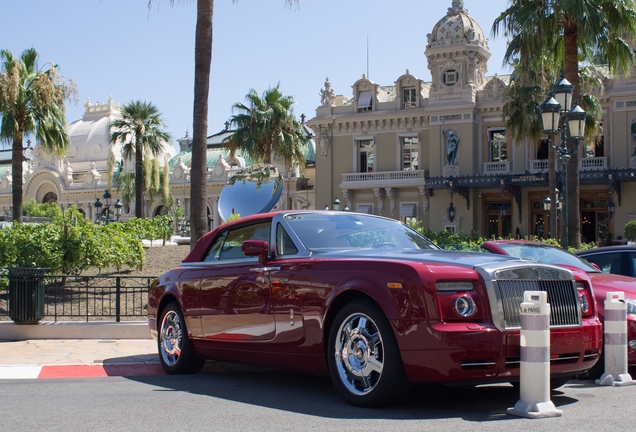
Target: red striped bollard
x=615, y=349
x=534, y=373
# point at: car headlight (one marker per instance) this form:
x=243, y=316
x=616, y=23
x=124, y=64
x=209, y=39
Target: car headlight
x=465, y=306
x=631, y=306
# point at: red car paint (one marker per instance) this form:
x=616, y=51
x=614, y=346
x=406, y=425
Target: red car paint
x=281, y=317
x=601, y=283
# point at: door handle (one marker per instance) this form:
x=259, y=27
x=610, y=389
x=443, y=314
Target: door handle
x=264, y=269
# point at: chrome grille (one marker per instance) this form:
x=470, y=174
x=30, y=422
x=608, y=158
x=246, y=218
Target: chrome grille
x=562, y=296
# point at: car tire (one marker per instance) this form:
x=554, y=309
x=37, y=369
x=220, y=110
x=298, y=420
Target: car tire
x=559, y=381
x=364, y=358
x=176, y=352
x=555, y=382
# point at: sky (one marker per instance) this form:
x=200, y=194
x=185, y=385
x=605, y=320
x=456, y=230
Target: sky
x=119, y=48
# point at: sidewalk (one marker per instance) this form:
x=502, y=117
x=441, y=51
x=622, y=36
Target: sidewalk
x=65, y=358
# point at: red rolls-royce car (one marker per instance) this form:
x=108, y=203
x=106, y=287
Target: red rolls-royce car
x=363, y=298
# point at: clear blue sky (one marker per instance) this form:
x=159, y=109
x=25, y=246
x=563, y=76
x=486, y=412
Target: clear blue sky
x=119, y=48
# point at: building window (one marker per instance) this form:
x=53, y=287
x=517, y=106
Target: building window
x=364, y=101
x=451, y=77
x=543, y=150
x=596, y=148
x=410, y=98
x=365, y=152
x=410, y=153
x=364, y=208
x=498, y=145
x=408, y=212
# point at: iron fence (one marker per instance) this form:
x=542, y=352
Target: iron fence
x=91, y=298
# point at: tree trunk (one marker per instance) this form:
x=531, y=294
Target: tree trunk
x=198, y=173
x=572, y=74
x=16, y=173
x=139, y=179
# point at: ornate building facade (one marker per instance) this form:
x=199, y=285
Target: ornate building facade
x=438, y=151
x=81, y=176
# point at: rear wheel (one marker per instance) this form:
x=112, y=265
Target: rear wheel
x=363, y=355
x=175, y=348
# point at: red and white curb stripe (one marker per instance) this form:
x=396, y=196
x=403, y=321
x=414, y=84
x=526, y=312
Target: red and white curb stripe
x=79, y=371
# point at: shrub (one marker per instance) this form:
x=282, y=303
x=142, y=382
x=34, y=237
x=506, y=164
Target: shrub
x=630, y=230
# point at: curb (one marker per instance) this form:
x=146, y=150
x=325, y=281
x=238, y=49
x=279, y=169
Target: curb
x=80, y=371
x=75, y=330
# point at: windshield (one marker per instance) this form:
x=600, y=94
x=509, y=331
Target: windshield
x=546, y=254
x=330, y=230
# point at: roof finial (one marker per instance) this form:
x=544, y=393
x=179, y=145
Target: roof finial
x=456, y=7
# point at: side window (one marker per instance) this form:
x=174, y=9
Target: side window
x=632, y=263
x=228, y=247
x=284, y=244
x=608, y=262
x=215, y=250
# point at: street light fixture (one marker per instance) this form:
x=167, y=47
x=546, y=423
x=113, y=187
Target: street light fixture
x=336, y=204
x=451, y=211
x=611, y=207
x=103, y=212
x=557, y=116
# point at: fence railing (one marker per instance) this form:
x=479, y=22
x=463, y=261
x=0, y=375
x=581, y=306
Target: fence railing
x=91, y=298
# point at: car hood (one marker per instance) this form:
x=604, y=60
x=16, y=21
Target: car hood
x=602, y=283
x=464, y=259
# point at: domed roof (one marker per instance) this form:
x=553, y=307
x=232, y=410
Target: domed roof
x=456, y=27
x=90, y=136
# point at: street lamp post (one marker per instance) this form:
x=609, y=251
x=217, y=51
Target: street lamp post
x=557, y=116
x=103, y=212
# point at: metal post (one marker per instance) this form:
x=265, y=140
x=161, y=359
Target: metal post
x=565, y=158
x=117, y=299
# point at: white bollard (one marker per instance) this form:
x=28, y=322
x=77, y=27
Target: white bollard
x=615, y=342
x=534, y=373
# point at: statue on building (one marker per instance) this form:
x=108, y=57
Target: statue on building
x=92, y=175
x=327, y=95
x=452, y=144
x=324, y=143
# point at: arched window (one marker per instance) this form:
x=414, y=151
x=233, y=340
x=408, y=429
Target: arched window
x=50, y=197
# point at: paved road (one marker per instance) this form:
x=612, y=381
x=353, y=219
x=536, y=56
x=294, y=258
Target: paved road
x=234, y=397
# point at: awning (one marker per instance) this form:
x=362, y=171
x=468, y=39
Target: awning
x=364, y=208
x=364, y=99
x=407, y=210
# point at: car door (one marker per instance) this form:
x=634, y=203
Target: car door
x=235, y=294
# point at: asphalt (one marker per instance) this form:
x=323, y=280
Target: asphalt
x=66, y=358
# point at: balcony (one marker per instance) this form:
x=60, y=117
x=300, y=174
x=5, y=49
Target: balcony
x=538, y=165
x=370, y=180
x=592, y=163
x=490, y=168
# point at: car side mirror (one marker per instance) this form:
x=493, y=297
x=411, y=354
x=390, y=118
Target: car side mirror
x=598, y=267
x=257, y=248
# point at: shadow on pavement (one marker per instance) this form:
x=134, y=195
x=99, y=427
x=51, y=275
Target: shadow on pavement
x=315, y=395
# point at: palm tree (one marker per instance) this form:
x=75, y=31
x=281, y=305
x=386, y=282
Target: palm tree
x=266, y=128
x=202, y=65
x=139, y=130
x=569, y=28
x=32, y=102
x=157, y=187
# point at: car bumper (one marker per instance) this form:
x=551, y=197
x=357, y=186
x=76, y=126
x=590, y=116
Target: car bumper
x=462, y=352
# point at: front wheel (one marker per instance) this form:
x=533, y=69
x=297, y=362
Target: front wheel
x=363, y=355
x=175, y=348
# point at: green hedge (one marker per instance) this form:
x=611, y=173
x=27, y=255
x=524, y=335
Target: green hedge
x=69, y=246
x=630, y=230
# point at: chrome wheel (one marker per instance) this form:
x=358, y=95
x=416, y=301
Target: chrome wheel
x=359, y=354
x=170, y=336
x=176, y=351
